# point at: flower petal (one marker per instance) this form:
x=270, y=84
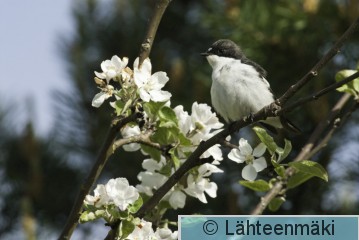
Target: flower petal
x=140, y=78
x=235, y=155
x=116, y=62
x=214, y=151
x=144, y=95
x=131, y=147
x=259, y=164
x=249, y=173
x=177, y=199
x=207, y=169
x=105, y=65
x=159, y=96
x=100, y=75
x=160, y=79
x=244, y=147
x=145, y=67
x=259, y=150
x=99, y=99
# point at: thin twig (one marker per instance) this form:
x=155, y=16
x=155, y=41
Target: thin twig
x=225, y=143
x=322, y=62
x=146, y=46
x=265, y=200
x=320, y=93
x=336, y=124
x=308, y=151
x=143, y=138
x=305, y=152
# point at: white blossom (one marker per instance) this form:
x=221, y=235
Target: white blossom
x=112, y=68
x=204, y=119
x=151, y=178
x=165, y=234
x=100, y=97
x=149, y=86
x=184, y=120
x=121, y=193
x=177, y=199
x=205, y=170
x=197, y=187
x=100, y=197
x=253, y=158
x=200, y=184
x=130, y=131
x=200, y=126
x=214, y=151
x=142, y=231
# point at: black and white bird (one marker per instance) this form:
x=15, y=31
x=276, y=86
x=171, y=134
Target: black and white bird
x=239, y=87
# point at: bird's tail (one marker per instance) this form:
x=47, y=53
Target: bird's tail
x=275, y=123
x=289, y=126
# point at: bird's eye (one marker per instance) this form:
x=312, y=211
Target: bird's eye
x=209, y=50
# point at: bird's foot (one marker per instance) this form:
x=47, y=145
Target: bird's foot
x=274, y=107
x=251, y=117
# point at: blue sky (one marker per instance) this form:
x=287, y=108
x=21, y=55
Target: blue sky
x=30, y=62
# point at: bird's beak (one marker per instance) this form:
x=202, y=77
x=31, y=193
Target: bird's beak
x=205, y=54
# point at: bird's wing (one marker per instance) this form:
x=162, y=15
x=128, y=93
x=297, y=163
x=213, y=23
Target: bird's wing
x=260, y=70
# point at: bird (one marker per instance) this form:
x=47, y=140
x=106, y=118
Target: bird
x=239, y=86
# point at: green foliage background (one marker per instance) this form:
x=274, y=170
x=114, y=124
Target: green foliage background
x=41, y=176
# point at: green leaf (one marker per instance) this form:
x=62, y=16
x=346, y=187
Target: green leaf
x=163, y=206
x=266, y=139
x=258, y=185
x=153, y=152
x=351, y=87
x=166, y=169
x=275, y=204
x=184, y=141
x=356, y=84
x=167, y=114
x=116, y=213
x=273, y=160
x=310, y=167
x=119, y=105
x=165, y=136
x=280, y=170
x=283, y=153
x=297, y=179
x=133, y=208
x=152, y=108
x=87, y=216
x=126, y=228
x=346, y=88
x=174, y=156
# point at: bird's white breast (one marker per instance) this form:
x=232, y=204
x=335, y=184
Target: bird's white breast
x=237, y=89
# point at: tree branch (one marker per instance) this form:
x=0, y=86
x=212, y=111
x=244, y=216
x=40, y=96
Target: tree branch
x=143, y=138
x=310, y=148
x=337, y=122
x=268, y=111
x=105, y=152
x=146, y=46
x=314, y=71
x=319, y=93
